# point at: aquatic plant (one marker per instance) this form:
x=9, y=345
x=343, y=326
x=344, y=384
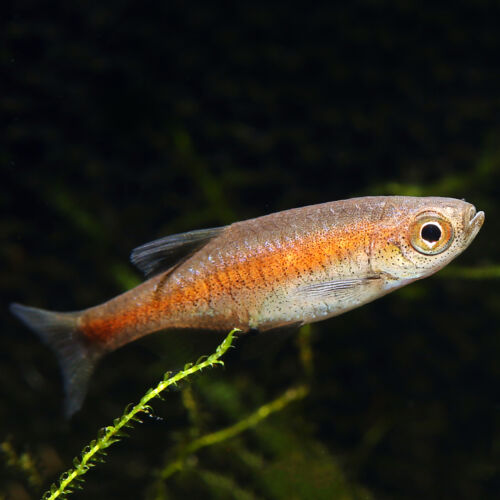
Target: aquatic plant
x=94, y=452
x=23, y=462
x=291, y=394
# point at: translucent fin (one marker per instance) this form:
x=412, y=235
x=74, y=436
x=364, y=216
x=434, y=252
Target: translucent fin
x=59, y=331
x=346, y=288
x=159, y=255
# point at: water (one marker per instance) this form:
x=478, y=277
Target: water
x=124, y=123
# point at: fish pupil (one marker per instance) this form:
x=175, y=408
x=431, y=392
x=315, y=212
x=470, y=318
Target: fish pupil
x=431, y=233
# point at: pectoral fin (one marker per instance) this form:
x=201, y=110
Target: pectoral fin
x=159, y=255
x=340, y=289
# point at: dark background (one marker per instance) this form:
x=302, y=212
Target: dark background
x=122, y=122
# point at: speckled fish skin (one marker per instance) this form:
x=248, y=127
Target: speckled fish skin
x=288, y=268
x=256, y=273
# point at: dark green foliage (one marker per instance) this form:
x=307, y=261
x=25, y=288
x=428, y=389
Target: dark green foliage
x=123, y=122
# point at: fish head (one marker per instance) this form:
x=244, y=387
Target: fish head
x=418, y=236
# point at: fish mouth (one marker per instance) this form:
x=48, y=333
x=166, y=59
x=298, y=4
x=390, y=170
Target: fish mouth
x=474, y=222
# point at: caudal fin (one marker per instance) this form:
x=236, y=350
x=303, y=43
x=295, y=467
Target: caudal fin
x=59, y=330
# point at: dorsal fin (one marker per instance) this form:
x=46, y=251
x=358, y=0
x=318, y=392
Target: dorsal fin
x=159, y=255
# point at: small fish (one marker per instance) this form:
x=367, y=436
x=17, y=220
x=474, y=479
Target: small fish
x=282, y=270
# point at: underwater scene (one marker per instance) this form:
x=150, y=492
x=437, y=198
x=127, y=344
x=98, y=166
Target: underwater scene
x=203, y=206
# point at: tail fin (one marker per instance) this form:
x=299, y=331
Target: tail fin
x=59, y=330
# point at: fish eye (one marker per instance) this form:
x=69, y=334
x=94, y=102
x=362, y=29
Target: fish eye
x=431, y=234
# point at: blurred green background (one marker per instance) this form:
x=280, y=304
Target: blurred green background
x=126, y=121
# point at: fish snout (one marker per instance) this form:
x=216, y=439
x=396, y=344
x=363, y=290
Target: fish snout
x=473, y=222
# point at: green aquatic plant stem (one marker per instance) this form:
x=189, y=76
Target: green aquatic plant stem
x=292, y=394
x=113, y=433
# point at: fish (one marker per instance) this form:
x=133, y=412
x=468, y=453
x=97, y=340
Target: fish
x=281, y=270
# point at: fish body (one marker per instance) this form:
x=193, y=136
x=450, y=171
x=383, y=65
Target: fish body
x=288, y=268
